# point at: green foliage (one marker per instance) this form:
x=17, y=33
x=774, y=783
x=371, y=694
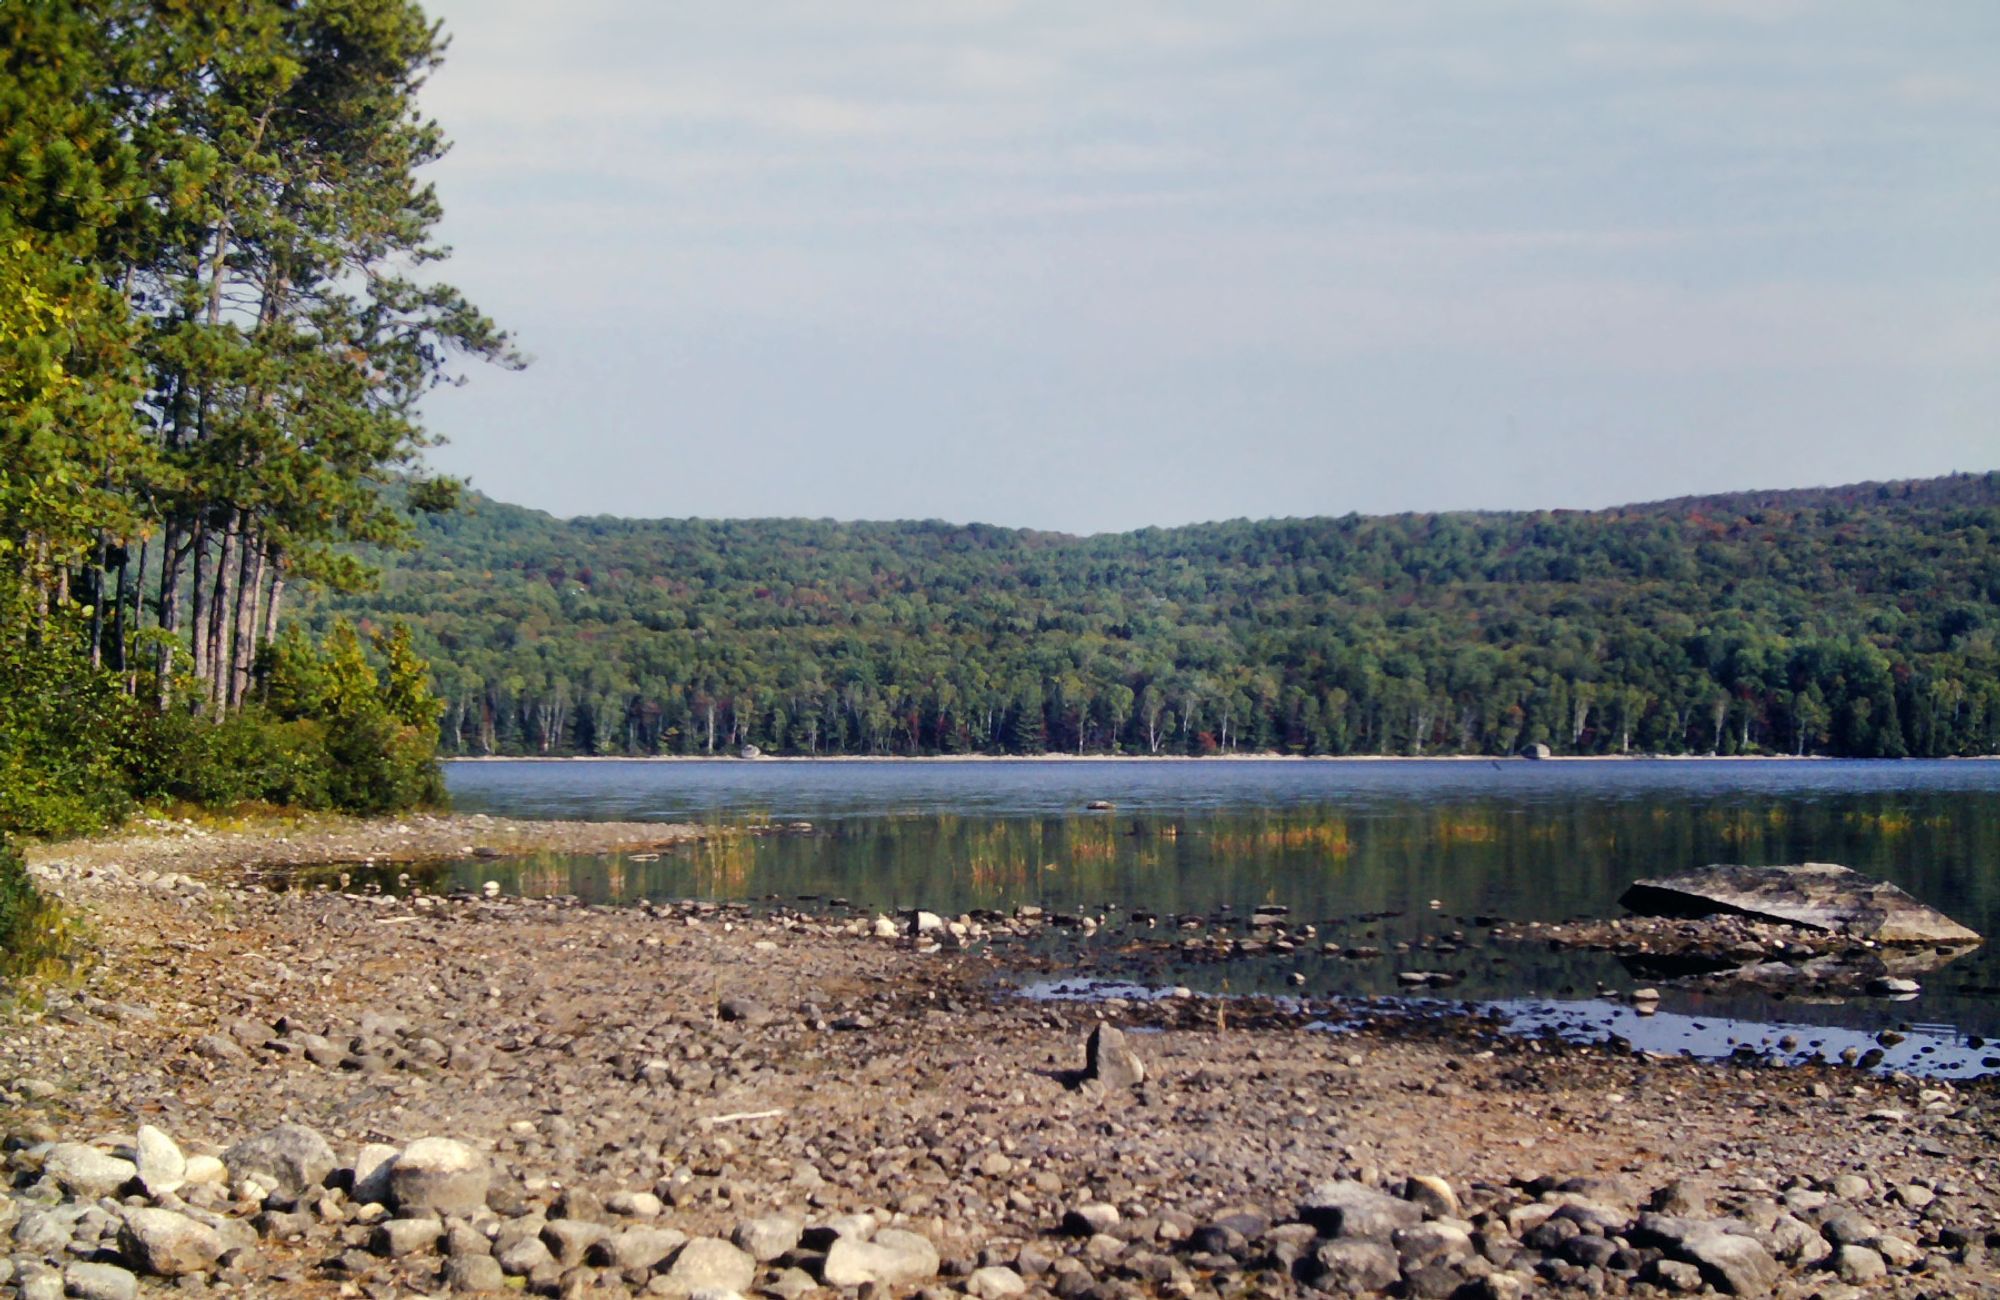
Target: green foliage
x=406, y=681
x=250, y=757
x=64, y=733
x=378, y=765
x=326, y=729
x=35, y=934
x=214, y=339
x=294, y=678
x=1852, y=621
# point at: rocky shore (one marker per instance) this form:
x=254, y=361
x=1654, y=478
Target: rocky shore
x=309, y=1092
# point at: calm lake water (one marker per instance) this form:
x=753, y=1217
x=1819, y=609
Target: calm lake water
x=1361, y=849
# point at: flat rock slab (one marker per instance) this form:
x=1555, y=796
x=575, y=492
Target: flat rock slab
x=1814, y=895
x=1345, y=1208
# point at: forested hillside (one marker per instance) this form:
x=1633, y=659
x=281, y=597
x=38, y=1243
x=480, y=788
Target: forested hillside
x=1849, y=621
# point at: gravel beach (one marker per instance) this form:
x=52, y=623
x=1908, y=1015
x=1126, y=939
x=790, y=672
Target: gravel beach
x=259, y=1091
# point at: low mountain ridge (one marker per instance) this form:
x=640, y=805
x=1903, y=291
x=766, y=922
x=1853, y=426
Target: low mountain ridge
x=1856, y=620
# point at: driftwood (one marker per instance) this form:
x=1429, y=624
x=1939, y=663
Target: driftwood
x=740, y=1117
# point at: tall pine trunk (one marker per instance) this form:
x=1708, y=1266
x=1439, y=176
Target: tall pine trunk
x=249, y=585
x=220, y=608
x=277, y=594
x=168, y=615
x=198, y=600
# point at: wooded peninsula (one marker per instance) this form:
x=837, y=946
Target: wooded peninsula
x=1853, y=621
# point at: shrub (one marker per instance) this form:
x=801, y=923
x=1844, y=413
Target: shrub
x=34, y=936
x=377, y=764
x=64, y=735
x=249, y=757
x=326, y=729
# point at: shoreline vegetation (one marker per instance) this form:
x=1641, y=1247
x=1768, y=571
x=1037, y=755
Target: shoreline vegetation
x=346, y=1092
x=275, y=841
x=217, y=324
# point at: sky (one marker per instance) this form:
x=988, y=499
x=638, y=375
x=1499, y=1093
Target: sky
x=1093, y=265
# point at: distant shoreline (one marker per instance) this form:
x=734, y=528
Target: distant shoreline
x=1187, y=758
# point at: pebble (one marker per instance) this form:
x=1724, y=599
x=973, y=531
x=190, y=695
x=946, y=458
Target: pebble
x=995, y=1282
x=162, y=1168
x=635, y=1205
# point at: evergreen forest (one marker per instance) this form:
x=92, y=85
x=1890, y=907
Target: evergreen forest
x=1856, y=621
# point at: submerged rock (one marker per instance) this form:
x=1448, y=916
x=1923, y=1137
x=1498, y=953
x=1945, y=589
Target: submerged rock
x=1815, y=895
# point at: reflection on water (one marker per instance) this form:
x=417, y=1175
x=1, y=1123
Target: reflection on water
x=1374, y=855
x=1939, y=1051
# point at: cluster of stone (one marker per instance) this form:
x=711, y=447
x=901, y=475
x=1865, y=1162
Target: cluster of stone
x=1419, y=1237
x=105, y=1220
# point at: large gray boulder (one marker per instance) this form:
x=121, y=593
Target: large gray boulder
x=1731, y=1260
x=289, y=1158
x=83, y=1170
x=1815, y=895
x=1345, y=1208
x=1734, y=1265
x=83, y=1280
x=438, y=1176
x=167, y=1244
x=640, y=1247
x=893, y=1258
x=1355, y=1266
x=706, y=1264
x=768, y=1237
x=474, y=1273
x=1110, y=1060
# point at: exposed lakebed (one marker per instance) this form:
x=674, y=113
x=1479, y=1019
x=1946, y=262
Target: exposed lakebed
x=1401, y=867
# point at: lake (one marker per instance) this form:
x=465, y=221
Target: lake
x=1377, y=854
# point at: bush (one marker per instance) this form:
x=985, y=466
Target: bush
x=33, y=934
x=378, y=765
x=249, y=757
x=326, y=729
x=377, y=729
x=64, y=735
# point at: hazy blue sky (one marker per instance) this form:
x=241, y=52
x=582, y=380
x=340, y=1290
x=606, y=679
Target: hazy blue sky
x=1092, y=264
